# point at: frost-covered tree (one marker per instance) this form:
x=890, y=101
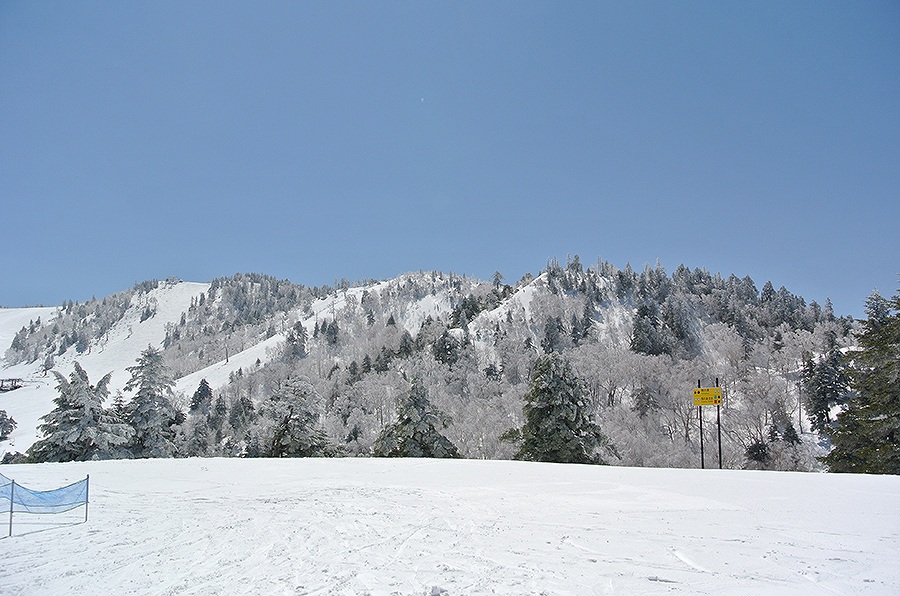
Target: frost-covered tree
x=416, y=434
x=825, y=386
x=202, y=398
x=7, y=425
x=292, y=413
x=150, y=411
x=296, y=341
x=559, y=424
x=79, y=428
x=446, y=349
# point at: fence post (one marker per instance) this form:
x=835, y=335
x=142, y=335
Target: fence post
x=12, y=494
x=87, y=486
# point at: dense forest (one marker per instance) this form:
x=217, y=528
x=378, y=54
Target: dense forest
x=598, y=359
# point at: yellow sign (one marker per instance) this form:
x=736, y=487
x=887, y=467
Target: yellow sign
x=708, y=396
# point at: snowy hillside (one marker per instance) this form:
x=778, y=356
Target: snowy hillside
x=638, y=343
x=123, y=343
x=113, y=353
x=428, y=527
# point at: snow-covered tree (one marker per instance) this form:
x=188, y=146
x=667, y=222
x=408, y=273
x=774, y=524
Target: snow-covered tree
x=296, y=341
x=559, y=424
x=150, y=411
x=825, y=386
x=7, y=425
x=79, y=428
x=293, y=415
x=202, y=398
x=415, y=434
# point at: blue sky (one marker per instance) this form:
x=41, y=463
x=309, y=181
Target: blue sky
x=323, y=140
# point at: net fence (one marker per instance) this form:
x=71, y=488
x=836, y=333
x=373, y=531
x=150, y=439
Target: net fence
x=16, y=498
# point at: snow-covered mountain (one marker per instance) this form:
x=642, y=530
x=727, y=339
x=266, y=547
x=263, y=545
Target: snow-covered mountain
x=635, y=339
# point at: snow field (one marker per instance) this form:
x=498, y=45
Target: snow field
x=373, y=526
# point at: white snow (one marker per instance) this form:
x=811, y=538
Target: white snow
x=114, y=353
x=13, y=319
x=372, y=526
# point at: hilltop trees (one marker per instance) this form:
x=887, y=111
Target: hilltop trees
x=866, y=436
x=637, y=339
x=79, y=428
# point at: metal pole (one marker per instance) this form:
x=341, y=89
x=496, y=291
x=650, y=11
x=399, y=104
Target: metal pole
x=12, y=494
x=87, y=487
x=719, y=428
x=700, y=416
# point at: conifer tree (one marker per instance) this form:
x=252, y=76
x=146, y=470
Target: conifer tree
x=866, y=437
x=296, y=341
x=296, y=431
x=416, y=434
x=150, y=411
x=202, y=398
x=446, y=349
x=7, y=425
x=558, y=417
x=825, y=385
x=79, y=428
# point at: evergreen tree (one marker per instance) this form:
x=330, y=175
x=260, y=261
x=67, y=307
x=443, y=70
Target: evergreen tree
x=558, y=418
x=757, y=455
x=415, y=434
x=645, y=402
x=202, y=398
x=553, y=333
x=331, y=333
x=7, y=425
x=407, y=345
x=825, y=386
x=790, y=435
x=241, y=414
x=866, y=437
x=79, y=428
x=446, y=349
x=296, y=341
x=296, y=433
x=353, y=374
x=647, y=337
x=150, y=411
x=218, y=414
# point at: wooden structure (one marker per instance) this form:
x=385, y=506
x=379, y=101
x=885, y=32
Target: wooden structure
x=10, y=384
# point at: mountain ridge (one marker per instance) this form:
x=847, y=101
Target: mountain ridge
x=473, y=341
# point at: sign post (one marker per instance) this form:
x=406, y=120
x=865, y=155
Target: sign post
x=719, y=423
x=708, y=396
x=12, y=499
x=700, y=417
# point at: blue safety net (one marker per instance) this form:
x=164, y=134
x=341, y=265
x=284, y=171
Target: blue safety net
x=42, y=501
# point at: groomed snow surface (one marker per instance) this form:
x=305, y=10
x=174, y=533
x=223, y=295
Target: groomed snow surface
x=374, y=526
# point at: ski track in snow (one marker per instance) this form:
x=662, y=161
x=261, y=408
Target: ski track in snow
x=372, y=526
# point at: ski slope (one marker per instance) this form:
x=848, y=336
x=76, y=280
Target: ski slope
x=113, y=354
x=120, y=348
x=373, y=526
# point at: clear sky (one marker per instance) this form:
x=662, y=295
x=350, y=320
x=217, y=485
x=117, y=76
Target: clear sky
x=323, y=140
